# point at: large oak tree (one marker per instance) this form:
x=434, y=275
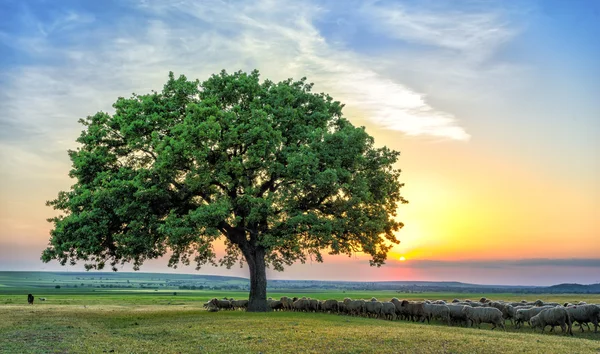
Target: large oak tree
x=273, y=168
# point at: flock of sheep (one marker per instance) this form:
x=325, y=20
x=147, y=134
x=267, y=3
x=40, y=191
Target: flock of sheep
x=468, y=313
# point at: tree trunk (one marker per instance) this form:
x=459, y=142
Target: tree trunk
x=255, y=257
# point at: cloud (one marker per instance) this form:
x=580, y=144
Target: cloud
x=473, y=33
x=73, y=78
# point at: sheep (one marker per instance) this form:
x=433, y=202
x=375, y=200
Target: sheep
x=355, y=307
x=388, y=310
x=275, y=305
x=524, y=315
x=436, y=311
x=507, y=310
x=585, y=314
x=456, y=315
x=341, y=307
x=287, y=302
x=239, y=304
x=313, y=305
x=483, y=300
x=30, y=299
x=329, y=306
x=554, y=316
x=42, y=298
x=211, y=307
x=455, y=300
x=222, y=304
x=300, y=305
x=540, y=303
x=484, y=315
x=401, y=312
x=439, y=302
x=373, y=308
x=516, y=304
x=415, y=310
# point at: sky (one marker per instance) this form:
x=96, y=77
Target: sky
x=494, y=106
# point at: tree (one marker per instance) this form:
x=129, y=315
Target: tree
x=272, y=167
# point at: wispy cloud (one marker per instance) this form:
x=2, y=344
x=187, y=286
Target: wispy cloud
x=99, y=63
x=474, y=34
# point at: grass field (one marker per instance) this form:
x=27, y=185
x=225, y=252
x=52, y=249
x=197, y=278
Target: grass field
x=92, y=320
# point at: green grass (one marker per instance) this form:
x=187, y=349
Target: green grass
x=189, y=329
x=94, y=320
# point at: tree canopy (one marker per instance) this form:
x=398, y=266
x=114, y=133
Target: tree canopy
x=273, y=168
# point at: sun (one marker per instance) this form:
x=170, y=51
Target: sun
x=402, y=258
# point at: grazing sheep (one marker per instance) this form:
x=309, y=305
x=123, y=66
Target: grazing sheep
x=329, y=306
x=276, y=305
x=507, y=310
x=355, y=307
x=582, y=303
x=222, y=304
x=313, y=305
x=287, y=303
x=30, y=299
x=211, y=307
x=373, y=308
x=554, y=316
x=456, y=315
x=437, y=311
x=341, y=306
x=478, y=315
x=300, y=305
x=585, y=314
x=239, y=304
x=388, y=310
x=540, y=303
x=483, y=300
x=524, y=315
x=415, y=310
x=401, y=312
x=455, y=300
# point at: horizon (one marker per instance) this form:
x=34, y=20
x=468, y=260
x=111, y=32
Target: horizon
x=491, y=105
x=298, y=280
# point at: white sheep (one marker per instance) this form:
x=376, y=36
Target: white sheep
x=437, y=311
x=388, y=311
x=554, y=316
x=524, y=315
x=457, y=315
x=585, y=314
x=478, y=315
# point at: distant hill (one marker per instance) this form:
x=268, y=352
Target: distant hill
x=198, y=281
x=574, y=288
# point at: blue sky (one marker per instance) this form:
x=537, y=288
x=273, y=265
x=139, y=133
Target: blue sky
x=492, y=103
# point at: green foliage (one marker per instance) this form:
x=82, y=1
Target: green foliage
x=269, y=166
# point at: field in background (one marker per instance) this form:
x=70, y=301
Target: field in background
x=96, y=319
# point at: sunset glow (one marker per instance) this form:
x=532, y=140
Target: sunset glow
x=493, y=109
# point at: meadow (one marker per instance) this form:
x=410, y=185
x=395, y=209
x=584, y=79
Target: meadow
x=95, y=320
